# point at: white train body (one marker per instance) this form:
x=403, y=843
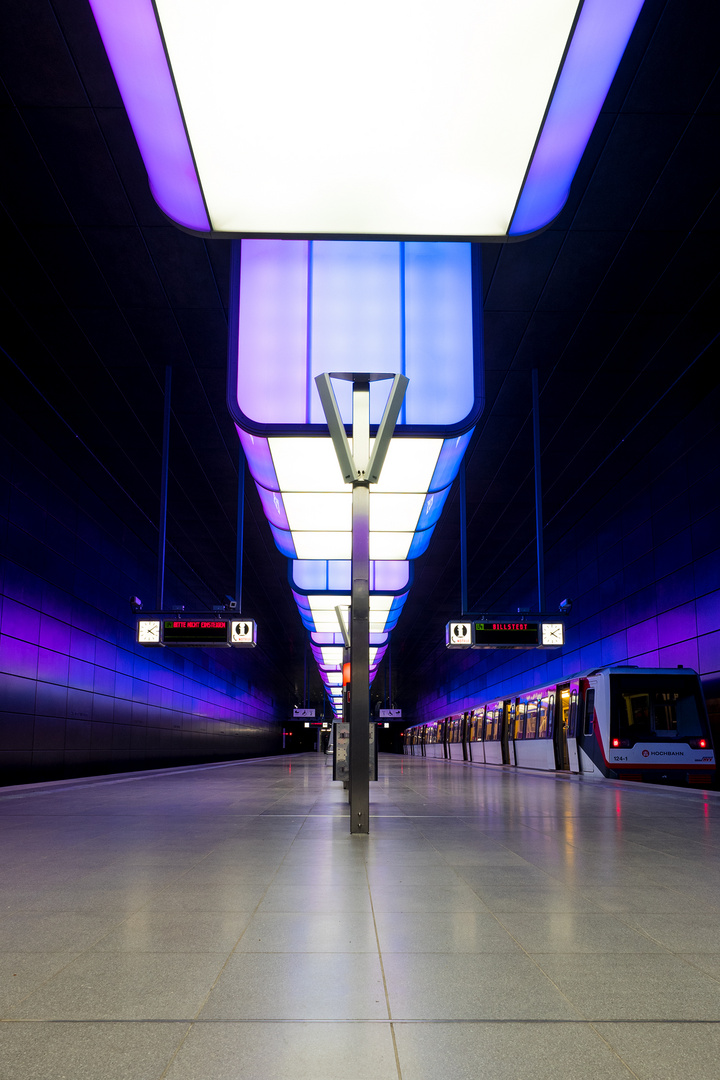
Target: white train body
x=621, y=722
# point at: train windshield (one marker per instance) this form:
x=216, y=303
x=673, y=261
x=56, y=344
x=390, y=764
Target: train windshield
x=657, y=707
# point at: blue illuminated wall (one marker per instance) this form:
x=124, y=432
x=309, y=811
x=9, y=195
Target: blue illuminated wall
x=642, y=567
x=77, y=695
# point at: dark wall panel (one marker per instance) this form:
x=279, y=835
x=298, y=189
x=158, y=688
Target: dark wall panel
x=78, y=696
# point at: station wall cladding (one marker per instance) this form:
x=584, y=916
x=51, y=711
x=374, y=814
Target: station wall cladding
x=78, y=696
x=642, y=567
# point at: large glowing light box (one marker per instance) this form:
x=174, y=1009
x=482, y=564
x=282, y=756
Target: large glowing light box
x=300, y=308
x=465, y=119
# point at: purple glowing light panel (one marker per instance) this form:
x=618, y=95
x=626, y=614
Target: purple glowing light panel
x=269, y=146
x=304, y=307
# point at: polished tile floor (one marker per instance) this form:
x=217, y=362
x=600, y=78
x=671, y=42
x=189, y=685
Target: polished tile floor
x=218, y=923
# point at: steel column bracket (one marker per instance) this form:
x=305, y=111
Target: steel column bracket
x=352, y=474
x=336, y=427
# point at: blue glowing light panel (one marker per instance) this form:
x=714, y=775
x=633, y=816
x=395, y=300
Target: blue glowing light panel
x=307, y=307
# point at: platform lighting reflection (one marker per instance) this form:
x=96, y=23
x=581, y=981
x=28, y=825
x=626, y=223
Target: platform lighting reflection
x=471, y=74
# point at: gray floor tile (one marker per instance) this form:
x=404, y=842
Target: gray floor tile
x=210, y=896
x=229, y=873
x=666, y=1051
x=554, y=898
x=308, y=873
x=425, y=898
x=125, y=986
x=61, y=931
x=485, y=986
x=454, y=932
x=634, y=987
x=707, y=962
x=522, y=876
x=176, y=931
x=648, y=900
x=307, y=931
x=693, y=933
x=120, y=899
x=505, y=1052
x=298, y=986
x=409, y=858
x=296, y=1051
x=318, y=897
x=390, y=875
x=467, y=858
x=23, y=972
x=569, y=932
x=88, y=1051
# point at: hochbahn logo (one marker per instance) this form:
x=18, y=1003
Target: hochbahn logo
x=662, y=753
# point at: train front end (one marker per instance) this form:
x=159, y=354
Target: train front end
x=647, y=724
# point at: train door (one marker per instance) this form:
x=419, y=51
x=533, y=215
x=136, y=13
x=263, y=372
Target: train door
x=464, y=725
x=510, y=712
x=561, y=726
x=505, y=734
x=588, y=750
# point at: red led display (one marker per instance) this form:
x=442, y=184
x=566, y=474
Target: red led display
x=195, y=632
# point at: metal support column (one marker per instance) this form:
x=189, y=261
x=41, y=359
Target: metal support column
x=538, y=493
x=360, y=468
x=463, y=541
x=360, y=617
x=162, y=528
x=240, y=530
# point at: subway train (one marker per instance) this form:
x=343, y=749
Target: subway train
x=627, y=723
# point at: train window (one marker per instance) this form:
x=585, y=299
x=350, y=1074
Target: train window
x=520, y=721
x=636, y=714
x=657, y=707
x=490, y=724
x=589, y=711
x=531, y=720
x=572, y=716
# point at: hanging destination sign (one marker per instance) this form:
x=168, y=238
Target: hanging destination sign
x=196, y=630
x=505, y=632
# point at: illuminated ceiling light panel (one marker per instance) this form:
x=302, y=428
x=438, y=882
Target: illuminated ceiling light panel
x=322, y=575
x=468, y=120
x=331, y=659
x=301, y=308
x=319, y=616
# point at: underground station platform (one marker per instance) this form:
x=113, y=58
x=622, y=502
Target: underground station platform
x=220, y=922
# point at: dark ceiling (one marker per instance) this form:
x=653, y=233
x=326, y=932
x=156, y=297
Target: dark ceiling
x=616, y=305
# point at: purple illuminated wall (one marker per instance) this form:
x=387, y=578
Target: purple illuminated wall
x=643, y=569
x=77, y=696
